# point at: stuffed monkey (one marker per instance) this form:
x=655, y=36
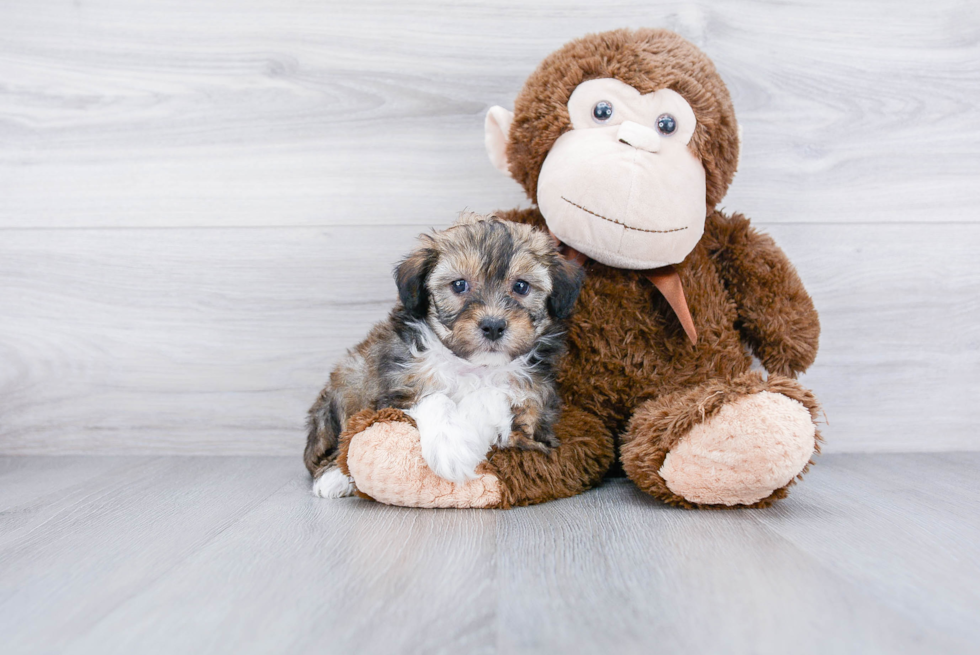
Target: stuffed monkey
x=626, y=141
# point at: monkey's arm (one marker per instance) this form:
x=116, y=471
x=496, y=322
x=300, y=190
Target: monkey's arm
x=584, y=454
x=381, y=451
x=776, y=315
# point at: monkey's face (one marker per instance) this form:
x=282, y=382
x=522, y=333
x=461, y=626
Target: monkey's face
x=622, y=186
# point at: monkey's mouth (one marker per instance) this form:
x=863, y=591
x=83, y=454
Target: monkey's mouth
x=613, y=220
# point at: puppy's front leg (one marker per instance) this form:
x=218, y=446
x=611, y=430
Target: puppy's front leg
x=451, y=446
x=529, y=429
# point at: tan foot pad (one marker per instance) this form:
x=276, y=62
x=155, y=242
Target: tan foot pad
x=743, y=453
x=386, y=463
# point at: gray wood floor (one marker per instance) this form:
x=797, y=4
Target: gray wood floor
x=873, y=553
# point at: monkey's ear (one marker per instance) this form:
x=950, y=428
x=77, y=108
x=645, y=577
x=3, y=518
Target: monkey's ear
x=495, y=133
x=566, y=282
x=411, y=276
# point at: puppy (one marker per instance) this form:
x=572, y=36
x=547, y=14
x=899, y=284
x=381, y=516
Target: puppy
x=470, y=351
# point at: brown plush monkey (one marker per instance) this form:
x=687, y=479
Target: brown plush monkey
x=626, y=141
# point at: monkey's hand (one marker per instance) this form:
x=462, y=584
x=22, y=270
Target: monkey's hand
x=776, y=315
x=382, y=453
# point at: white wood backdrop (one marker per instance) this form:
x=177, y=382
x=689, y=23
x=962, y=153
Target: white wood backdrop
x=200, y=202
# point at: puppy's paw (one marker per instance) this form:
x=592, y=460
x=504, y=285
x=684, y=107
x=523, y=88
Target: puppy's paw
x=448, y=460
x=450, y=445
x=489, y=412
x=332, y=483
x=521, y=441
x=387, y=464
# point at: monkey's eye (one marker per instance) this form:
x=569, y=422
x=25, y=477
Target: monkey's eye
x=460, y=286
x=666, y=124
x=602, y=111
x=521, y=288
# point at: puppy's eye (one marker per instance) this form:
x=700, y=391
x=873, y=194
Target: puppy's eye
x=460, y=286
x=602, y=111
x=666, y=124
x=521, y=288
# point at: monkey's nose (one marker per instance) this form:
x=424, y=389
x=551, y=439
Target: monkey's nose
x=493, y=328
x=639, y=136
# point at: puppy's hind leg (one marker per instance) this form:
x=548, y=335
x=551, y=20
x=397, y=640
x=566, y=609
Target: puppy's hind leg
x=325, y=422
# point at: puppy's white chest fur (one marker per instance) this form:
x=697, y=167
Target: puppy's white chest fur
x=465, y=407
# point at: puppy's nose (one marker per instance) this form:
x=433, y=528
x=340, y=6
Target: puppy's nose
x=493, y=328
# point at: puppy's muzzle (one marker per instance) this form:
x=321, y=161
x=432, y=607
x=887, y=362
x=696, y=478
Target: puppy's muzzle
x=493, y=328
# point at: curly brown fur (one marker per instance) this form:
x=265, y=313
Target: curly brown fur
x=391, y=369
x=776, y=316
x=626, y=346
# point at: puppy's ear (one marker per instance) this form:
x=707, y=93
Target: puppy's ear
x=411, y=276
x=566, y=282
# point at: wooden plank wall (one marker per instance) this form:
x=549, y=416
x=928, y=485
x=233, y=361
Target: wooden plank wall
x=200, y=202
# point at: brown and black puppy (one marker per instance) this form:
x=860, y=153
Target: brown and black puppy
x=470, y=351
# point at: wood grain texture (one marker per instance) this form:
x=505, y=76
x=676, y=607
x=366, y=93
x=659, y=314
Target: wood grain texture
x=265, y=113
x=694, y=582
x=345, y=577
x=24, y=480
x=202, y=203
x=875, y=554
x=217, y=341
x=936, y=552
x=115, y=535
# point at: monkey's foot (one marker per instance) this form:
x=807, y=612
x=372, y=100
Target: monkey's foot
x=382, y=452
x=737, y=446
x=743, y=453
